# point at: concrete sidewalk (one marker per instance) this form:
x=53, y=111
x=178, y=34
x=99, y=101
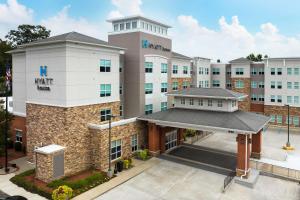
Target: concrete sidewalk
x=140, y=166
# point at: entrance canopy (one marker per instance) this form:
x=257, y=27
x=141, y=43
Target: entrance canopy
x=237, y=122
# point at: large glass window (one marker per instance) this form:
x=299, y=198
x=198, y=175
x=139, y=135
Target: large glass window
x=116, y=27
x=239, y=71
x=216, y=83
x=201, y=70
x=128, y=25
x=289, y=71
x=175, y=69
x=209, y=102
x=206, y=71
x=134, y=24
x=272, y=71
x=175, y=86
x=239, y=84
x=182, y=101
x=105, y=114
x=206, y=84
x=148, y=88
x=105, y=65
x=171, y=140
x=200, y=102
x=279, y=119
x=134, y=143
x=116, y=149
x=289, y=85
x=296, y=71
x=148, y=109
x=216, y=71
x=121, y=27
x=191, y=102
x=163, y=106
x=105, y=90
x=164, y=87
x=164, y=68
x=253, y=84
x=201, y=84
x=185, y=69
x=148, y=67
x=220, y=103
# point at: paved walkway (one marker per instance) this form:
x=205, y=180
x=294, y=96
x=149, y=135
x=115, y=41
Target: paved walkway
x=12, y=189
x=140, y=166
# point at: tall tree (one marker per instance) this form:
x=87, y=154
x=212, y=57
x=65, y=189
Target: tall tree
x=27, y=33
x=4, y=57
x=256, y=58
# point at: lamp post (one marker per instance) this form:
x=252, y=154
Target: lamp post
x=288, y=144
x=109, y=172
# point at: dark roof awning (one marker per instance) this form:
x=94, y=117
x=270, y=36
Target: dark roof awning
x=238, y=121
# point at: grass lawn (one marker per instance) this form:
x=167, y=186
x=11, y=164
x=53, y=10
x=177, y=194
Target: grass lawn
x=80, y=182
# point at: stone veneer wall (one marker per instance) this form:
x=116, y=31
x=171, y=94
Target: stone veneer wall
x=283, y=111
x=245, y=104
x=44, y=169
x=100, y=142
x=67, y=127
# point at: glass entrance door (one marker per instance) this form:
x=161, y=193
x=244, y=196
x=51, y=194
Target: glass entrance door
x=171, y=140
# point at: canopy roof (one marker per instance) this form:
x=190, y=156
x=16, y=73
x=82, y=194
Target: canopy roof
x=238, y=121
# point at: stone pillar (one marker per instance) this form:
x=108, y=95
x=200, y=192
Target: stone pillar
x=162, y=141
x=180, y=138
x=153, y=139
x=256, y=145
x=243, y=145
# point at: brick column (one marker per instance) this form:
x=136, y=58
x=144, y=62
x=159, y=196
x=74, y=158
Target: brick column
x=162, y=141
x=153, y=139
x=243, y=143
x=256, y=145
x=180, y=136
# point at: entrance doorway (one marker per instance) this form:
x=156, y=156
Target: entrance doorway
x=171, y=140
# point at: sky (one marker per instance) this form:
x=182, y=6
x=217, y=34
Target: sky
x=216, y=29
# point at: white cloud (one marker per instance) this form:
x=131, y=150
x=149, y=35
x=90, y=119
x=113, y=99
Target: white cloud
x=12, y=14
x=231, y=40
x=62, y=23
x=125, y=8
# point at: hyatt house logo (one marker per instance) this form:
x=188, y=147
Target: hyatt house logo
x=43, y=83
x=147, y=44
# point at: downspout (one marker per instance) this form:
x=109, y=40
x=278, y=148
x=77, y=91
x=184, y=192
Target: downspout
x=246, y=158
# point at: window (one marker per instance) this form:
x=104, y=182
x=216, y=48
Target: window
x=148, y=88
x=289, y=85
x=185, y=84
x=228, y=83
x=261, y=97
x=239, y=71
x=200, y=70
x=296, y=121
x=185, y=69
x=164, y=68
x=175, y=85
x=296, y=85
x=253, y=71
x=116, y=27
x=216, y=83
x=105, y=65
x=116, y=149
x=296, y=99
x=272, y=71
x=163, y=106
x=209, y=102
x=220, y=103
x=261, y=85
x=175, y=69
x=134, y=24
x=296, y=71
x=128, y=25
x=253, y=97
x=134, y=143
x=147, y=26
x=228, y=72
x=191, y=102
x=121, y=110
x=273, y=84
x=105, y=90
x=164, y=87
x=182, y=101
x=289, y=99
x=279, y=71
x=279, y=85
x=18, y=136
x=239, y=84
x=148, y=109
x=170, y=140
x=272, y=118
x=206, y=71
x=253, y=84
x=121, y=89
x=261, y=71
x=233, y=103
x=279, y=98
x=279, y=119
x=201, y=84
x=273, y=98
x=289, y=71
x=105, y=114
x=148, y=67
x=200, y=102
x=206, y=84
x=121, y=27
x=150, y=27
x=216, y=71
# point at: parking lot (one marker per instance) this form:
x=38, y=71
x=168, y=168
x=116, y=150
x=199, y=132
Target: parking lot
x=170, y=180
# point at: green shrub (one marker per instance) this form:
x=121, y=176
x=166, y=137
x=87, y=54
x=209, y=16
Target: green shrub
x=143, y=154
x=18, y=146
x=190, y=133
x=126, y=164
x=62, y=193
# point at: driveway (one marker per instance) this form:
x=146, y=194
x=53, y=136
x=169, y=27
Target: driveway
x=170, y=181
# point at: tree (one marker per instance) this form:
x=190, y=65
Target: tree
x=256, y=58
x=4, y=57
x=27, y=33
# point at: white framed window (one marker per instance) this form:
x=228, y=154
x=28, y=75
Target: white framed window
x=175, y=69
x=279, y=85
x=148, y=109
x=182, y=101
x=279, y=71
x=209, y=102
x=239, y=84
x=239, y=71
x=116, y=149
x=185, y=84
x=164, y=68
x=253, y=71
x=175, y=85
x=200, y=70
x=279, y=98
x=148, y=88
x=18, y=136
x=134, y=143
x=185, y=69
x=206, y=71
x=105, y=114
x=253, y=84
x=216, y=83
x=164, y=87
x=134, y=24
x=128, y=25
x=105, y=65
x=191, y=102
x=171, y=140
x=220, y=103
x=122, y=27
x=105, y=90
x=253, y=97
x=116, y=27
x=163, y=106
x=148, y=67
x=200, y=102
x=215, y=71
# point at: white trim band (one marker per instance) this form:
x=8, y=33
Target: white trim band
x=113, y=124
